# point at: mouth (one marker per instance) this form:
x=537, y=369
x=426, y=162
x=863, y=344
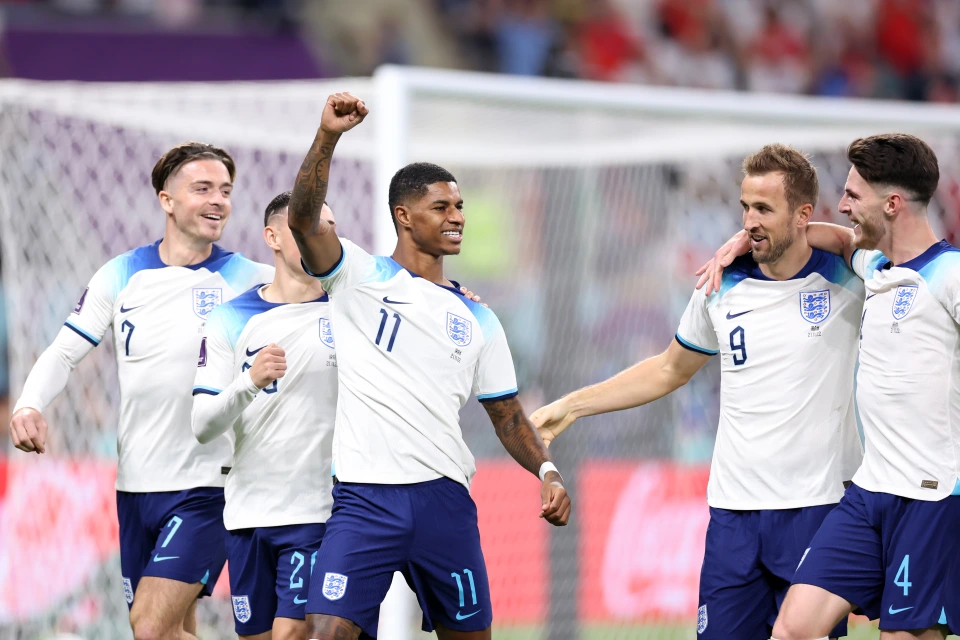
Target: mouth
x=757, y=241
x=214, y=217
x=454, y=235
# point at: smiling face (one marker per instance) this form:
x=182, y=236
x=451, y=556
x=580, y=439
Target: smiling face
x=767, y=216
x=863, y=205
x=435, y=220
x=197, y=198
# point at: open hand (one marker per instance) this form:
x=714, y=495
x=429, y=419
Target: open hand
x=552, y=420
x=711, y=273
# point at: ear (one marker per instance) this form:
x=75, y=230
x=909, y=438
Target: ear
x=402, y=214
x=166, y=201
x=893, y=204
x=270, y=237
x=804, y=213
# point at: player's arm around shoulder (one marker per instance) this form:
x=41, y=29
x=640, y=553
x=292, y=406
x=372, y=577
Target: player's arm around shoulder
x=832, y=238
x=319, y=246
x=521, y=440
x=644, y=382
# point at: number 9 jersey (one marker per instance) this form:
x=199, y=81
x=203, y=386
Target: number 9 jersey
x=787, y=436
x=410, y=353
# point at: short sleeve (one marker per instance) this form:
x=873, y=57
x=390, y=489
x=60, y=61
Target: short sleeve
x=696, y=330
x=93, y=314
x=215, y=366
x=354, y=267
x=495, y=377
x=864, y=262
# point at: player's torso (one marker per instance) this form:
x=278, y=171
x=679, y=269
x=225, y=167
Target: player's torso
x=281, y=471
x=908, y=382
x=787, y=434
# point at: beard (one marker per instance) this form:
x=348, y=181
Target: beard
x=778, y=246
x=871, y=233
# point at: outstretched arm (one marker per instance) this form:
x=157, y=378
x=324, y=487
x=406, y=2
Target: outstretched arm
x=521, y=440
x=318, y=243
x=642, y=383
x=832, y=238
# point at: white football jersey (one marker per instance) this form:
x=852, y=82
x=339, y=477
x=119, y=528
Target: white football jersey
x=157, y=313
x=908, y=382
x=411, y=353
x=787, y=436
x=281, y=467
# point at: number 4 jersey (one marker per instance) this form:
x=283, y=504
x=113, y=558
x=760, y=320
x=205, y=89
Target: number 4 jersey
x=787, y=436
x=410, y=354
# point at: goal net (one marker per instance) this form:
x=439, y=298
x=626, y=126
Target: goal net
x=588, y=207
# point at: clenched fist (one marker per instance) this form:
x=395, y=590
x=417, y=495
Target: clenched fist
x=28, y=430
x=342, y=113
x=270, y=364
x=556, y=503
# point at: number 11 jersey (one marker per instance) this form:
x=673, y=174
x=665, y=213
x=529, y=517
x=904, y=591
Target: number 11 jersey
x=410, y=353
x=787, y=436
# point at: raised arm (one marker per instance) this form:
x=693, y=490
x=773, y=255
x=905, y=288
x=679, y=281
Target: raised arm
x=521, y=440
x=644, y=382
x=318, y=243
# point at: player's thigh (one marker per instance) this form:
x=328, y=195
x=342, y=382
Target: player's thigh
x=447, y=570
x=367, y=539
x=137, y=540
x=160, y=606
x=190, y=619
x=268, y=635
x=926, y=634
x=919, y=537
x=326, y=627
x=735, y=599
x=298, y=547
x=808, y=612
x=289, y=629
x=253, y=574
x=448, y=634
x=191, y=541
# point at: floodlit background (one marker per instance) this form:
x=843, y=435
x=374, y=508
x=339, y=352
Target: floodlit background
x=591, y=197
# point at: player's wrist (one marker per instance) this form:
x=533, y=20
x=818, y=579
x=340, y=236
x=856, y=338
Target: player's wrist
x=547, y=469
x=328, y=136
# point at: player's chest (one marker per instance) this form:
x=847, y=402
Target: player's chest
x=902, y=316
x=177, y=303
x=305, y=334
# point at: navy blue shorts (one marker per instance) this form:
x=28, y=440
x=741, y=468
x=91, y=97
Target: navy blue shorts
x=749, y=561
x=427, y=531
x=887, y=555
x=172, y=534
x=270, y=573
x=951, y=614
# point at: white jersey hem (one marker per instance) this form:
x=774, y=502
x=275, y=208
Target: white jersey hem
x=161, y=486
x=258, y=523
x=396, y=480
x=927, y=495
x=774, y=506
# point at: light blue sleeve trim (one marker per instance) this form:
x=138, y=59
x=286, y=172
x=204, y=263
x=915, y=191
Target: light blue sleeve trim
x=332, y=271
x=853, y=257
x=956, y=488
x=500, y=395
x=693, y=347
x=208, y=390
x=83, y=334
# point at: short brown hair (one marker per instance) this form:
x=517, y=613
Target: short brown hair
x=897, y=160
x=800, y=183
x=186, y=152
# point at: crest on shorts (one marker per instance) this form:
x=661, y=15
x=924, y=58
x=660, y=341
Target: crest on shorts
x=334, y=585
x=128, y=590
x=903, y=299
x=241, y=608
x=326, y=333
x=815, y=305
x=702, y=619
x=459, y=329
x=206, y=300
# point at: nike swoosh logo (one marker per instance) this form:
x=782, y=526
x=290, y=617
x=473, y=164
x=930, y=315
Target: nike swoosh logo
x=389, y=301
x=297, y=600
x=893, y=611
x=870, y=296
x=255, y=351
x=162, y=558
x=126, y=310
x=731, y=316
x=464, y=617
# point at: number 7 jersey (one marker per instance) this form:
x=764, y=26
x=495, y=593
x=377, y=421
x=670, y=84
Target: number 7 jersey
x=787, y=436
x=410, y=353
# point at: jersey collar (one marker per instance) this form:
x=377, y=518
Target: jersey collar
x=924, y=258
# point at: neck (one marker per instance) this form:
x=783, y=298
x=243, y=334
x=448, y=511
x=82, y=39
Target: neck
x=289, y=287
x=179, y=250
x=426, y=266
x=908, y=237
x=790, y=263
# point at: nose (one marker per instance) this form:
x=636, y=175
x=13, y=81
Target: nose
x=216, y=197
x=455, y=216
x=749, y=219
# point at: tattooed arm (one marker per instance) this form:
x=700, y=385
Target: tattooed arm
x=521, y=440
x=319, y=246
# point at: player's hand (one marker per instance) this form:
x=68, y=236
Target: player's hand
x=711, y=273
x=270, y=364
x=556, y=505
x=342, y=113
x=470, y=294
x=552, y=420
x=28, y=430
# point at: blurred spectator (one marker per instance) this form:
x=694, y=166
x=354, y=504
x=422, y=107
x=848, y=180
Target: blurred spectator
x=697, y=50
x=609, y=50
x=524, y=34
x=778, y=59
x=904, y=39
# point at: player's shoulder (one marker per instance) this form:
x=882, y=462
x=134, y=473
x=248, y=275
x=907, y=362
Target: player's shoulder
x=485, y=317
x=871, y=259
x=239, y=271
x=118, y=271
x=232, y=317
x=938, y=265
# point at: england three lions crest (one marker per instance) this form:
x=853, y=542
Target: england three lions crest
x=815, y=305
x=241, y=608
x=334, y=586
x=903, y=299
x=205, y=301
x=459, y=329
x=326, y=333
